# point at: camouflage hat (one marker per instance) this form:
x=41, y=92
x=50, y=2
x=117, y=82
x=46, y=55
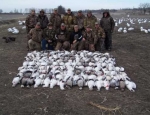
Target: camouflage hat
x=62, y=24
x=50, y=24
x=38, y=24
x=106, y=11
x=42, y=11
x=80, y=11
x=68, y=9
x=96, y=23
x=55, y=9
x=32, y=10
x=89, y=12
x=88, y=26
x=75, y=26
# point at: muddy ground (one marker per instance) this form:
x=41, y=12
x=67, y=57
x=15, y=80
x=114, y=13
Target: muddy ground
x=12, y=16
x=131, y=50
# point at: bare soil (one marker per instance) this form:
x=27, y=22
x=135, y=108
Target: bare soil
x=131, y=50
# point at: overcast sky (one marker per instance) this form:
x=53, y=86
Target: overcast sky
x=8, y=5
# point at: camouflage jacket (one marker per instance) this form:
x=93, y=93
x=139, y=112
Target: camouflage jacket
x=49, y=34
x=107, y=23
x=90, y=21
x=31, y=21
x=36, y=35
x=69, y=20
x=80, y=21
x=43, y=21
x=55, y=19
x=90, y=37
x=99, y=32
x=62, y=35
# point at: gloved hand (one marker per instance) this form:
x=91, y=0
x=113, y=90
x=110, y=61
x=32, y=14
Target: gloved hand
x=50, y=41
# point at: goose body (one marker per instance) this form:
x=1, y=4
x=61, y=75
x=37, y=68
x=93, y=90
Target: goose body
x=53, y=83
x=46, y=82
x=15, y=81
x=38, y=81
x=130, y=85
x=99, y=84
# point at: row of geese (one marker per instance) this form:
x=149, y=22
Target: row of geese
x=13, y=30
x=65, y=69
x=125, y=30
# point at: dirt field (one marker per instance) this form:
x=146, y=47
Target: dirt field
x=12, y=16
x=131, y=50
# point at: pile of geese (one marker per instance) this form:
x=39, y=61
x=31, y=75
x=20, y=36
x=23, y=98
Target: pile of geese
x=66, y=69
x=13, y=30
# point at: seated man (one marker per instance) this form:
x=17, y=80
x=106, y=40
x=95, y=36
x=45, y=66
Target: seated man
x=62, y=38
x=76, y=39
x=35, y=38
x=90, y=39
x=49, y=38
x=100, y=34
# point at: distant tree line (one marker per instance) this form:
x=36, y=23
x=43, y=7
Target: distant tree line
x=143, y=9
x=1, y=11
x=60, y=8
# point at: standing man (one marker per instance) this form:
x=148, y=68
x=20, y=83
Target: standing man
x=69, y=20
x=42, y=18
x=49, y=37
x=55, y=18
x=30, y=23
x=90, y=20
x=76, y=39
x=108, y=24
x=62, y=38
x=100, y=34
x=35, y=38
x=90, y=39
x=80, y=20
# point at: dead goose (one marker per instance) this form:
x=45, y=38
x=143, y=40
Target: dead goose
x=16, y=80
x=79, y=81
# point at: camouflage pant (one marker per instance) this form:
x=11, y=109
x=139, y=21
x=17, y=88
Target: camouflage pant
x=28, y=30
x=100, y=45
x=63, y=46
x=89, y=47
x=79, y=45
x=28, y=41
x=34, y=45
